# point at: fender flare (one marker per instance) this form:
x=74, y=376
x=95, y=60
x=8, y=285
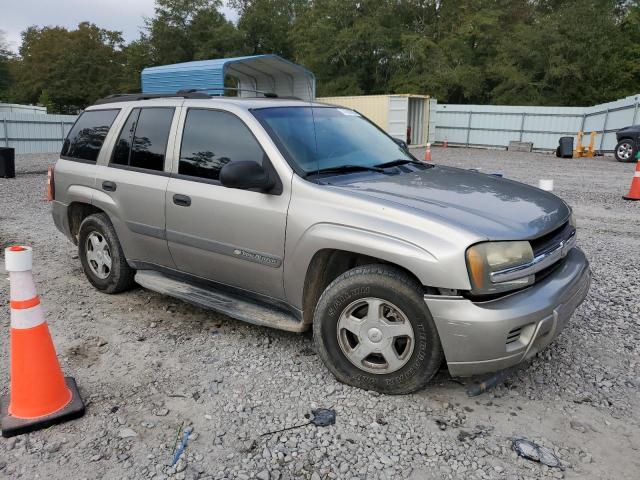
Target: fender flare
x=417, y=260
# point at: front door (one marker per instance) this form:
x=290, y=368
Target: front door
x=231, y=236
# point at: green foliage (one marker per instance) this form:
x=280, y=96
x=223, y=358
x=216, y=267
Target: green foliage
x=538, y=52
x=184, y=30
x=5, y=74
x=44, y=100
x=75, y=67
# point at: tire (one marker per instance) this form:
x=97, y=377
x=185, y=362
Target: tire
x=355, y=291
x=626, y=150
x=98, y=231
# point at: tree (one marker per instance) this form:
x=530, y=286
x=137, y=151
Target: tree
x=5, y=74
x=348, y=44
x=45, y=101
x=266, y=24
x=137, y=56
x=184, y=30
x=75, y=67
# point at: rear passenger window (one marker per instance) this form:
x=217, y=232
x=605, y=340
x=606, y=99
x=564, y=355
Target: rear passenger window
x=143, y=140
x=212, y=139
x=86, y=137
x=123, y=145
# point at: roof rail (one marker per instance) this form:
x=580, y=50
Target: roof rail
x=233, y=89
x=132, y=97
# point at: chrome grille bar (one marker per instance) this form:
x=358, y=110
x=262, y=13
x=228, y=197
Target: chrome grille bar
x=540, y=262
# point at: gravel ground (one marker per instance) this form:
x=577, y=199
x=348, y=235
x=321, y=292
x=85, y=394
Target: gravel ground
x=147, y=364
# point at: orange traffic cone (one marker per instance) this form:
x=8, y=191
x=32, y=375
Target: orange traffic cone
x=427, y=153
x=40, y=395
x=634, y=190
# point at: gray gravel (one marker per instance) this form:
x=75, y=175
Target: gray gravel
x=147, y=364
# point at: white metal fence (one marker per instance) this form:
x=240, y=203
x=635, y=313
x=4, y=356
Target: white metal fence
x=34, y=133
x=496, y=126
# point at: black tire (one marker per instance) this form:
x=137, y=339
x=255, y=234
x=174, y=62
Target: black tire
x=630, y=145
x=120, y=276
x=397, y=287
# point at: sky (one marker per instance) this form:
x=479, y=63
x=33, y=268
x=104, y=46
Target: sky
x=121, y=15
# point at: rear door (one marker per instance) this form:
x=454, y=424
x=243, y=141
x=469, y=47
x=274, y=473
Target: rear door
x=134, y=182
x=234, y=237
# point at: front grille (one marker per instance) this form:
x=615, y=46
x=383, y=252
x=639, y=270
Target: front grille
x=552, y=239
x=549, y=242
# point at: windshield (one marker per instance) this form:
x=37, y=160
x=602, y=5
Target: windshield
x=342, y=137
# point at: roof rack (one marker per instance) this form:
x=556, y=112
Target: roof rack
x=132, y=97
x=233, y=89
x=191, y=93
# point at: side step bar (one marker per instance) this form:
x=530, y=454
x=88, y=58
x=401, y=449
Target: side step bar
x=230, y=304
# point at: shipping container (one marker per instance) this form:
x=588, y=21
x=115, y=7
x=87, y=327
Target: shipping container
x=403, y=116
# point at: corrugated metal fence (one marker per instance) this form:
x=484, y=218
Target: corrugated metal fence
x=34, y=133
x=496, y=126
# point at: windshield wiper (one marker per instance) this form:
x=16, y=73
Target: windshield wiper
x=345, y=169
x=397, y=162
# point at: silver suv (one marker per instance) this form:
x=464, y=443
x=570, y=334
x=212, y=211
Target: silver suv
x=295, y=215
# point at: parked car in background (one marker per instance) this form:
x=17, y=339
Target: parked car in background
x=298, y=215
x=628, y=143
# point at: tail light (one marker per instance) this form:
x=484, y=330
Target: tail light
x=51, y=187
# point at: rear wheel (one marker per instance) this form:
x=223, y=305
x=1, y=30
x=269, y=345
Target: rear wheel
x=373, y=330
x=626, y=150
x=101, y=255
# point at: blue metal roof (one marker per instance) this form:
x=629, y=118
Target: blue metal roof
x=270, y=73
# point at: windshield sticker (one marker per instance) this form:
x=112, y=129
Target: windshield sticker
x=344, y=111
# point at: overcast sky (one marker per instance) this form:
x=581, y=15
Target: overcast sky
x=122, y=15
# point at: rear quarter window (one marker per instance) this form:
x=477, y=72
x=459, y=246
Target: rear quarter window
x=86, y=137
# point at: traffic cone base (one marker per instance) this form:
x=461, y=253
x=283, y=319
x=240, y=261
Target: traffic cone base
x=12, y=426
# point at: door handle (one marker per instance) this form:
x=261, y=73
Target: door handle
x=109, y=186
x=181, y=200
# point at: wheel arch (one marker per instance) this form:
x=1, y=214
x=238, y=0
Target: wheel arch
x=76, y=213
x=328, y=264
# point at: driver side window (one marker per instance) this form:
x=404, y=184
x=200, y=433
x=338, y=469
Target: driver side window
x=211, y=139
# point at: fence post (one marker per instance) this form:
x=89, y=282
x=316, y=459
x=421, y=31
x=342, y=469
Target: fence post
x=524, y=115
x=62, y=130
x=604, y=127
x=635, y=112
x=469, y=127
x=6, y=133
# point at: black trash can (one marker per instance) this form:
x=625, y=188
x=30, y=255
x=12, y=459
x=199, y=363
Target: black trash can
x=565, y=148
x=7, y=162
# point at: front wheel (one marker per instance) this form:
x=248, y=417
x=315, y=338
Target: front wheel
x=373, y=330
x=625, y=150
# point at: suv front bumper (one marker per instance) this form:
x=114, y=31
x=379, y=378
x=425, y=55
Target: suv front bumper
x=481, y=337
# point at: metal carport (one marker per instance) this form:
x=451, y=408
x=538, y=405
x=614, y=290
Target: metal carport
x=267, y=73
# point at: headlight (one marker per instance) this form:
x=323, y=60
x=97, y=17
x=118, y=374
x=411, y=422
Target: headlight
x=486, y=258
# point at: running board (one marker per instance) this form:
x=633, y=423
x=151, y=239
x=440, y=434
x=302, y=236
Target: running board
x=234, y=306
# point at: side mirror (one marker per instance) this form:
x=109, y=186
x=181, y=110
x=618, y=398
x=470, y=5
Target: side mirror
x=401, y=143
x=246, y=175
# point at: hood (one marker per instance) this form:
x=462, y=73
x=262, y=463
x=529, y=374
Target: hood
x=495, y=208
